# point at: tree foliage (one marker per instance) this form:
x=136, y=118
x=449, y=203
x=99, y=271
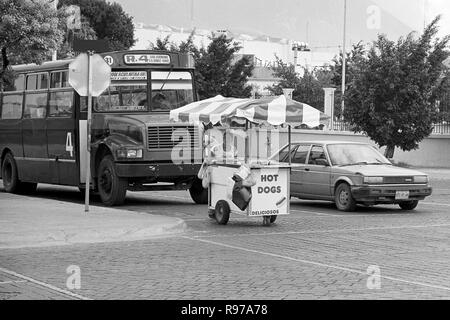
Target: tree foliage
x=308, y=88
x=28, y=33
x=108, y=20
x=392, y=96
x=216, y=70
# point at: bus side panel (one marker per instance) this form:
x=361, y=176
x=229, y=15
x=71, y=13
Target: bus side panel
x=11, y=138
x=82, y=146
x=35, y=166
x=61, y=150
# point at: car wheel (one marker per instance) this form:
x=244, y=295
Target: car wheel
x=222, y=212
x=344, y=199
x=111, y=188
x=198, y=193
x=409, y=205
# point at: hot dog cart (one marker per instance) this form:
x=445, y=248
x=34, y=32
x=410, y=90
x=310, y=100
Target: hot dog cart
x=238, y=181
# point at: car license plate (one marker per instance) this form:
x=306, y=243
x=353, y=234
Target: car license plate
x=401, y=195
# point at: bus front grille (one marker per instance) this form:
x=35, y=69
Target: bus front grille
x=166, y=137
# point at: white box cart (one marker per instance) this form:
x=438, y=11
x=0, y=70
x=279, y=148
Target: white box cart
x=269, y=196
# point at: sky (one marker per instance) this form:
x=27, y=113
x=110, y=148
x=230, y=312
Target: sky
x=318, y=22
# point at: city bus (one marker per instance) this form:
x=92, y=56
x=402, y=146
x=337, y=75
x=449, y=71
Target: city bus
x=43, y=128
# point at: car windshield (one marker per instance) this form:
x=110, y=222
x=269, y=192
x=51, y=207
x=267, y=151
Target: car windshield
x=349, y=154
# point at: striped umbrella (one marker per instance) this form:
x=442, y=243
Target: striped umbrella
x=272, y=110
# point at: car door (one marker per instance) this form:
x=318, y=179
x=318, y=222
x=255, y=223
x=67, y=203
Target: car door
x=316, y=176
x=298, y=162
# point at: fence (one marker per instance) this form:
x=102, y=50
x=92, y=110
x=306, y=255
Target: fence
x=438, y=128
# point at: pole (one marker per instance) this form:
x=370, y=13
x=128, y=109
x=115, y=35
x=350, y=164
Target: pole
x=54, y=52
x=344, y=59
x=88, y=144
x=289, y=142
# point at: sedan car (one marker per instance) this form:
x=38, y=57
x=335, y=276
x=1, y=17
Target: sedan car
x=351, y=173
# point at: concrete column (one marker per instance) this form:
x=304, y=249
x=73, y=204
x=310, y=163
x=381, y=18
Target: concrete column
x=288, y=93
x=329, y=105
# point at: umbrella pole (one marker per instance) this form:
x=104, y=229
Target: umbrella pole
x=289, y=142
x=247, y=149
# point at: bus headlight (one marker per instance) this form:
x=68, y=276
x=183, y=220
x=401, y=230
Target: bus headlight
x=373, y=180
x=129, y=153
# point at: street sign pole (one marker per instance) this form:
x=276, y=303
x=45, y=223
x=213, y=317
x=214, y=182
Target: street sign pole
x=88, y=144
x=90, y=76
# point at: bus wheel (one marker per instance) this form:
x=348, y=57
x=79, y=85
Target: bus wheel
x=111, y=188
x=9, y=174
x=198, y=193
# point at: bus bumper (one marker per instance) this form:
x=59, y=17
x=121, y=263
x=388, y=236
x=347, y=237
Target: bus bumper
x=156, y=170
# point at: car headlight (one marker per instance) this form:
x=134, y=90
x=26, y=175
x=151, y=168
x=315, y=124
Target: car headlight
x=129, y=153
x=373, y=180
x=421, y=179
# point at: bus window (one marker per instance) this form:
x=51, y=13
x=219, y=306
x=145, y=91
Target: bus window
x=19, y=83
x=59, y=79
x=35, y=105
x=121, y=97
x=60, y=104
x=31, y=82
x=42, y=81
x=12, y=106
x=171, y=90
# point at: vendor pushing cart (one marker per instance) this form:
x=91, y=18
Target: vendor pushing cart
x=244, y=184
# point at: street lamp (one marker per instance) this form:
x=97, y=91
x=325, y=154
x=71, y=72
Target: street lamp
x=299, y=46
x=344, y=59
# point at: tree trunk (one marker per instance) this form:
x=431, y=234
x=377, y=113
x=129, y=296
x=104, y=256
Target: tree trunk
x=389, y=152
x=5, y=63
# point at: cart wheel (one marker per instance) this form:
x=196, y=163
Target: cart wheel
x=273, y=218
x=222, y=212
x=266, y=221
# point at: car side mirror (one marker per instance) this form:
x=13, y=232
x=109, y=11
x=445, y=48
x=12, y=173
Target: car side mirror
x=322, y=162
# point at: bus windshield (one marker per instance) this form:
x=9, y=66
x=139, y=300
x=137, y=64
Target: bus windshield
x=171, y=90
x=121, y=97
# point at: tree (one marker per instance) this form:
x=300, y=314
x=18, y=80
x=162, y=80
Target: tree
x=216, y=70
x=308, y=88
x=352, y=58
x=108, y=20
x=84, y=33
x=392, y=97
x=28, y=33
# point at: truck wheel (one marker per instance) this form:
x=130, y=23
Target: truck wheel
x=111, y=188
x=409, y=205
x=9, y=174
x=273, y=218
x=344, y=199
x=198, y=193
x=222, y=212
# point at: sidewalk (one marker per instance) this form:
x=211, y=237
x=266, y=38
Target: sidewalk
x=33, y=222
